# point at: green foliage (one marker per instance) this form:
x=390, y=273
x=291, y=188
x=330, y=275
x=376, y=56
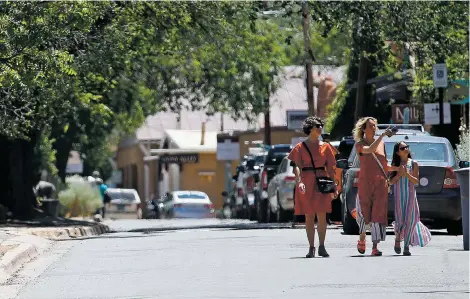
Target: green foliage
x=81, y=198
x=83, y=70
x=463, y=148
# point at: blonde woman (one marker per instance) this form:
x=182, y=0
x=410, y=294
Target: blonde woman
x=372, y=195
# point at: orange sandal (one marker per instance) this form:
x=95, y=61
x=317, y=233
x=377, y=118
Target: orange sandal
x=376, y=252
x=361, y=246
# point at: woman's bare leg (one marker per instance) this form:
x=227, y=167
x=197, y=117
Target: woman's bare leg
x=310, y=228
x=321, y=227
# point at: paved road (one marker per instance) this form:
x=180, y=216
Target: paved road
x=223, y=263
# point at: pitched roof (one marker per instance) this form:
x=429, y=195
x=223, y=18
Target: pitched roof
x=291, y=95
x=191, y=139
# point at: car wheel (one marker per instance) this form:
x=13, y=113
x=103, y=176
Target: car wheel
x=270, y=216
x=455, y=228
x=350, y=226
x=227, y=212
x=261, y=213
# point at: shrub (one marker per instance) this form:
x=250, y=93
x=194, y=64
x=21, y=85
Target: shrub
x=463, y=148
x=80, y=197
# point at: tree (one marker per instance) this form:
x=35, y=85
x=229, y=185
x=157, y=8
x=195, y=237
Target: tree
x=75, y=74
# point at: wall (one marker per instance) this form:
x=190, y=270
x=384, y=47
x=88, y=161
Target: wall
x=279, y=136
x=130, y=161
x=191, y=178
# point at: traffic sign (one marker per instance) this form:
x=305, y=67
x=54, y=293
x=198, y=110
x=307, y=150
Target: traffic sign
x=440, y=75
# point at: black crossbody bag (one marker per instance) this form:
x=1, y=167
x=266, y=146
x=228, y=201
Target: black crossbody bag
x=324, y=184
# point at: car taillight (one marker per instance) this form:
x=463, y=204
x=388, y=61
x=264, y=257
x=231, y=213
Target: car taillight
x=250, y=183
x=289, y=178
x=450, y=180
x=356, y=178
x=209, y=206
x=264, y=180
x=240, y=192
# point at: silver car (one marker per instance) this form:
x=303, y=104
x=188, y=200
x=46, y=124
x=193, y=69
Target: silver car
x=281, y=193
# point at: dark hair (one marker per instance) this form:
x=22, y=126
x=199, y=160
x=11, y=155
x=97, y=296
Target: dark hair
x=396, y=160
x=311, y=122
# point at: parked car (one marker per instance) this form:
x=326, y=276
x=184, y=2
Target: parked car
x=154, y=208
x=438, y=192
x=280, y=206
x=188, y=204
x=275, y=156
x=248, y=188
x=124, y=203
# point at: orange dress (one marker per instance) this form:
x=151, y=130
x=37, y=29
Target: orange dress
x=323, y=156
x=372, y=185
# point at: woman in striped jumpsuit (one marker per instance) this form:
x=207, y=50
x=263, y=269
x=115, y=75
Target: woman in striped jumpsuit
x=407, y=225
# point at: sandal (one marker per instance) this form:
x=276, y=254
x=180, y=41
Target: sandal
x=361, y=246
x=376, y=252
x=322, y=251
x=397, y=248
x=311, y=252
x=407, y=252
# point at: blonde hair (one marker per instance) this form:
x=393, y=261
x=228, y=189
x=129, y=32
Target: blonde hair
x=358, y=131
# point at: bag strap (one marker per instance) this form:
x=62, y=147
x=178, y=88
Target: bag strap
x=380, y=164
x=311, y=158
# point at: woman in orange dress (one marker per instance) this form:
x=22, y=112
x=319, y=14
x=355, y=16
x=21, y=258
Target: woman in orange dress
x=308, y=200
x=372, y=193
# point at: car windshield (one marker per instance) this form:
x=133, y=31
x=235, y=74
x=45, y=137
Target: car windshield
x=191, y=196
x=118, y=194
x=259, y=159
x=423, y=151
x=114, y=194
x=276, y=155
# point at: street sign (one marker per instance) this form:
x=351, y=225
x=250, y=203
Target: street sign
x=295, y=119
x=228, y=150
x=431, y=114
x=406, y=114
x=440, y=75
x=180, y=158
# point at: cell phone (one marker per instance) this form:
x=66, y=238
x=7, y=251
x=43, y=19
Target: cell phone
x=394, y=129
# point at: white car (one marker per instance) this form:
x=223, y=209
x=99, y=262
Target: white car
x=124, y=203
x=188, y=204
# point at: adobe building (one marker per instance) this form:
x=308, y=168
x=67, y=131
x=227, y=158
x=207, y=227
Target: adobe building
x=166, y=153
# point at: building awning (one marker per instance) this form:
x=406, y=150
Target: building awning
x=461, y=102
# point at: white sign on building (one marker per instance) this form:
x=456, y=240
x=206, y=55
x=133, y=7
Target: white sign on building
x=439, y=71
x=295, y=118
x=228, y=150
x=431, y=114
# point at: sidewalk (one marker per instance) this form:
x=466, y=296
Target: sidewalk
x=21, y=241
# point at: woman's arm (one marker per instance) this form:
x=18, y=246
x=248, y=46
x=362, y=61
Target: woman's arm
x=414, y=175
x=367, y=149
x=330, y=162
x=394, y=179
x=297, y=174
x=392, y=168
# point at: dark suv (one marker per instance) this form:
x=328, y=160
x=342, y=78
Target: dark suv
x=274, y=157
x=438, y=192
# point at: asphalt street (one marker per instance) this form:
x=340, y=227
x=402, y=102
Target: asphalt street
x=237, y=263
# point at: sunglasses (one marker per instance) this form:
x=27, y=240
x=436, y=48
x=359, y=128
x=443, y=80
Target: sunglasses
x=404, y=148
x=318, y=126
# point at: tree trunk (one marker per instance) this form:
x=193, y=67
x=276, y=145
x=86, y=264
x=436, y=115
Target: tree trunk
x=63, y=145
x=24, y=176
x=361, y=87
x=5, y=177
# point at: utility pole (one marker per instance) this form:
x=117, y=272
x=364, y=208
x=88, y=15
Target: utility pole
x=308, y=65
x=267, y=120
x=441, y=97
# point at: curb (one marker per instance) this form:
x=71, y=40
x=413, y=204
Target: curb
x=14, y=258
x=30, y=244
x=71, y=232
